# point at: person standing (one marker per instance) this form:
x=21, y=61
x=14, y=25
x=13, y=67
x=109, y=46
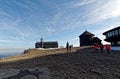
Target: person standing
x=70, y=47
x=108, y=48
x=101, y=47
x=67, y=46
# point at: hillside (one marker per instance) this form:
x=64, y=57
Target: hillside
x=33, y=53
x=81, y=63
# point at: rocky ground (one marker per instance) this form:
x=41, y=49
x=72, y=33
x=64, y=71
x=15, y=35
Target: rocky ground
x=81, y=63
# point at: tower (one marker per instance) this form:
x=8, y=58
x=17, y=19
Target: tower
x=41, y=43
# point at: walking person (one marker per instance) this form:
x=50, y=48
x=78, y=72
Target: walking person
x=96, y=47
x=70, y=47
x=108, y=48
x=101, y=47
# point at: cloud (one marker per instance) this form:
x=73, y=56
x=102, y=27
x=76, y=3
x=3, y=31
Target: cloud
x=48, y=18
x=2, y=13
x=26, y=5
x=4, y=50
x=106, y=11
x=64, y=19
x=70, y=26
x=83, y=3
x=12, y=33
x=4, y=16
x=74, y=39
x=50, y=31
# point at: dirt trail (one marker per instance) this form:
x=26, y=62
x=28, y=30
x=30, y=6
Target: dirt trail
x=81, y=63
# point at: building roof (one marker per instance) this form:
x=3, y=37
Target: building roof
x=96, y=38
x=111, y=30
x=51, y=42
x=86, y=33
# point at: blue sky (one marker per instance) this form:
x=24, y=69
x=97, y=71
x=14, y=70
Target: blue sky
x=23, y=22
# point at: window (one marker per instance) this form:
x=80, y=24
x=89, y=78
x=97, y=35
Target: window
x=119, y=42
x=119, y=31
x=114, y=43
x=113, y=33
x=116, y=32
x=107, y=35
x=110, y=33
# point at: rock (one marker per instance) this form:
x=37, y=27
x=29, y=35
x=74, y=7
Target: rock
x=32, y=73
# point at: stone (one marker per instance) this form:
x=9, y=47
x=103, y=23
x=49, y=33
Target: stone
x=28, y=73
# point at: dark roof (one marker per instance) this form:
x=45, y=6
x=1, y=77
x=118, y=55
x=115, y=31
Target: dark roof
x=86, y=33
x=51, y=42
x=96, y=38
x=111, y=30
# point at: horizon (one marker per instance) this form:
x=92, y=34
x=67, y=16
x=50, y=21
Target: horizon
x=24, y=22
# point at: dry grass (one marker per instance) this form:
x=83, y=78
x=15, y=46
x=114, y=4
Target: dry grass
x=81, y=63
x=33, y=53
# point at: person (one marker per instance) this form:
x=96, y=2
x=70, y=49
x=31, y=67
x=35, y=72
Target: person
x=108, y=48
x=70, y=47
x=96, y=47
x=67, y=46
x=101, y=47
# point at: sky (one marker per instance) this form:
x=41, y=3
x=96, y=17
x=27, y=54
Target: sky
x=23, y=22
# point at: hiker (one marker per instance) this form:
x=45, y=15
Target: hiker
x=96, y=47
x=70, y=47
x=67, y=46
x=101, y=47
x=108, y=48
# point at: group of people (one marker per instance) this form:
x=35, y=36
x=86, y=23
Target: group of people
x=107, y=47
x=68, y=47
x=96, y=46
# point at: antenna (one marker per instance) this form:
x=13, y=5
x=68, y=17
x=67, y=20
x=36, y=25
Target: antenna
x=41, y=39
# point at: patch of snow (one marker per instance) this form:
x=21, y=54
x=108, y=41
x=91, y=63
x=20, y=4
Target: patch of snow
x=40, y=48
x=47, y=48
x=115, y=48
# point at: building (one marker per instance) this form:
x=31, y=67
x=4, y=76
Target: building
x=96, y=40
x=88, y=39
x=113, y=36
x=42, y=44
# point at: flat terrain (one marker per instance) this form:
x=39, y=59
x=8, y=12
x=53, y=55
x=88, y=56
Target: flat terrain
x=80, y=63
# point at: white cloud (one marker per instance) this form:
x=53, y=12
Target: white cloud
x=50, y=30
x=84, y=2
x=4, y=50
x=28, y=6
x=110, y=9
x=65, y=17
x=70, y=26
x=2, y=13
